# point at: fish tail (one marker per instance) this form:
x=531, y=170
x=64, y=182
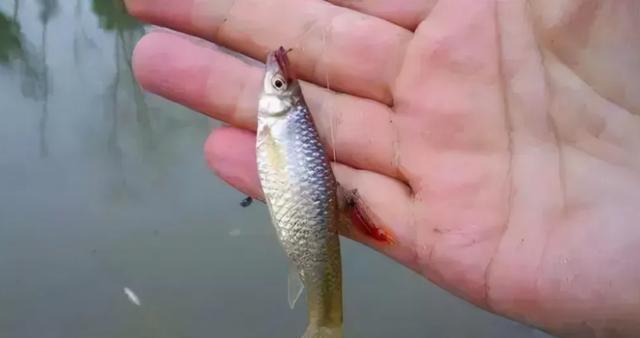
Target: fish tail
x=323, y=332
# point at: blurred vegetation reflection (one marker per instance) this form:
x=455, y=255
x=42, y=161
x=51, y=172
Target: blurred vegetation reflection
x=112, y=17
x=10, y=40
x=20, y=55
x=48, y=10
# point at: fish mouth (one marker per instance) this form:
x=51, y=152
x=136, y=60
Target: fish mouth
x=282, y=60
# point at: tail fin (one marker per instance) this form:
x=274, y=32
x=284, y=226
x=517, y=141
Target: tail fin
x=323, y=332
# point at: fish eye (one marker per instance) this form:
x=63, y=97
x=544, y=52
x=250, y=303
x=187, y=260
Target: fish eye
x=279, y=83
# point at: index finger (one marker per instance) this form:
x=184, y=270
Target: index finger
x=333, y=46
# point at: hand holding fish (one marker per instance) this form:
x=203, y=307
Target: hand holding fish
x=491, y=146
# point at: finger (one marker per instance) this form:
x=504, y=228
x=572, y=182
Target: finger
x=333, y=46
x=407, y=13
x=230, y=153
x=452, y=76
x=220, y=85
x=450, y=91
x=388, y=204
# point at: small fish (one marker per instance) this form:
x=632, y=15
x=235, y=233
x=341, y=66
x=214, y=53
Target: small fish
x=300, y=193
x=132, y=296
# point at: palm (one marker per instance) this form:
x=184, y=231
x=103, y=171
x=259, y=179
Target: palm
x=473, y=130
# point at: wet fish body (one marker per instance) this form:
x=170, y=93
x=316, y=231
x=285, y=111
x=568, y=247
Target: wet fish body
x=300, y=192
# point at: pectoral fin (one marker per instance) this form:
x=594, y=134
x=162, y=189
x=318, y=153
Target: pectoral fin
x=295, y=285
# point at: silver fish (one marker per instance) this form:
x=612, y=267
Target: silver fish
x=300, y=192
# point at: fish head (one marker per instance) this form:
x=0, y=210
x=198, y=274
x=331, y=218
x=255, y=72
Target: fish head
x=281, y=89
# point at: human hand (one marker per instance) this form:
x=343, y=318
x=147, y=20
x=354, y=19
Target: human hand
x=495, y=140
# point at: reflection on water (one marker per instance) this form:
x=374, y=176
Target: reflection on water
x=48, y=9
x=10, y=44
x=104, y=190
x=112, y=17
x=14, y=49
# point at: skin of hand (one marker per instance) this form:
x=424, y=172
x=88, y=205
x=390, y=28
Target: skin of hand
x=496, y=140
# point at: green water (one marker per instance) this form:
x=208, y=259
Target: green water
x=104, y=187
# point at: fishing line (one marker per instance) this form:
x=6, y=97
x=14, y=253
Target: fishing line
x=328, y=85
